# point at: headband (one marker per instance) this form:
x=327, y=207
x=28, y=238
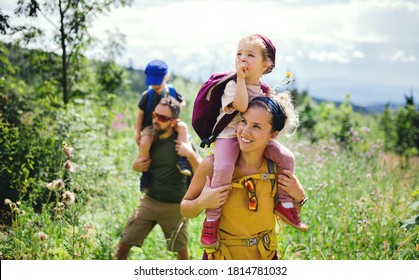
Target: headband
x=278, y=114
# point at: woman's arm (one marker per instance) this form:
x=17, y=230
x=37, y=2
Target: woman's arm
x=199, y=195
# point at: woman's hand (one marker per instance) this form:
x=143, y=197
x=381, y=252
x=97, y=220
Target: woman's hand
x=213, y=198
x=289, y=183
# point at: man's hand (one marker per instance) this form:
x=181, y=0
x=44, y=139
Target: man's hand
x=141, y=164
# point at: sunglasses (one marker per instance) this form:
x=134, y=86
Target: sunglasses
x=161, y=118
x=249, y=184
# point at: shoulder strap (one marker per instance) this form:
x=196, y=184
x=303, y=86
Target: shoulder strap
x=272, y=170
x=172, y=91
x=150, y=97
x=261, y=176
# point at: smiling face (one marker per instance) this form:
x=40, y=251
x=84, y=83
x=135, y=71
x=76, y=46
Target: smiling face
x=255, y=129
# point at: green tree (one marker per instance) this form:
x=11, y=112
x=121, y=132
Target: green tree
x=387, y=125
x=71, y=29
x=308, y=117
x=345, y=122
x=407, y=129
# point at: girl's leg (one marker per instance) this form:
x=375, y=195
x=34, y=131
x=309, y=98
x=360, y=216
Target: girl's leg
x=145, y=144
x=146, y=141
x=285, y=209
x=182, y=132
x=226, y=152
x=284, y=159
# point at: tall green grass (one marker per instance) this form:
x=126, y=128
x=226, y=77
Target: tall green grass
x=357, y=199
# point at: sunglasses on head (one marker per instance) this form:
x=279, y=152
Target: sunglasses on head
x=249, y=184
x=161, y=118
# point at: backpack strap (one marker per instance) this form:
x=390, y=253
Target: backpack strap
x=272, y=175
x=221, y=124
x=172, y=91
x=150, y=97
x=272, y=170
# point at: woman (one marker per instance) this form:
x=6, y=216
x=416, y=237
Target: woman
x=245, y=231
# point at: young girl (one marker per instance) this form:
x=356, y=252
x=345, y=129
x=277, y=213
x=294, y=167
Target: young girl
x=255, y=57
x=156, y=77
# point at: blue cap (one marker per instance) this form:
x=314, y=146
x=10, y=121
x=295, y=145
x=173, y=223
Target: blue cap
x=155, y=72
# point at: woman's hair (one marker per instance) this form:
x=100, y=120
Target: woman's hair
x=285, y=115
x=268, y=49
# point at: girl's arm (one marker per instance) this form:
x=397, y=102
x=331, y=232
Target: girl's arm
x=241, y=99
x=199, y=195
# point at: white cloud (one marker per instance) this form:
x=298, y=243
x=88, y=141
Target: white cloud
x=200, y=36
x=324, y=56
x=400, y=56
x=358, y=54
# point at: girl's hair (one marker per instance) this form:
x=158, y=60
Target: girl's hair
x=284, y=100
x=265, y=52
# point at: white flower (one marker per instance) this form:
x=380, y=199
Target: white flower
x=55, y=185
x=68, y=198
x=69, y=166
x=42, y=236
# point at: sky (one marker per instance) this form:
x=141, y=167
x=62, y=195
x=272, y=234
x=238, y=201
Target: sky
x=366, y=48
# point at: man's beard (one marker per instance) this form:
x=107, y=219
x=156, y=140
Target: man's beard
x=158, y=130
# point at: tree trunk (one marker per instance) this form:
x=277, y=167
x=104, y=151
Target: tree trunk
x=64, y=64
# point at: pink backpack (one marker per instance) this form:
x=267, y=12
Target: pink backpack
x=207, y=107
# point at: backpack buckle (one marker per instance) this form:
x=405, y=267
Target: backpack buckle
x=251, y=241
x=264, y=176
x=207, y=141
x=266, y=239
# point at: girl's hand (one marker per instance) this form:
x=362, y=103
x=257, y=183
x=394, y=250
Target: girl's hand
x=289, y=183
x=242, y=70
x=184, y=149
x=213, y=198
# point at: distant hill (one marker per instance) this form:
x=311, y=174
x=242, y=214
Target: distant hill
x=18, y=56
x=373, y=108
